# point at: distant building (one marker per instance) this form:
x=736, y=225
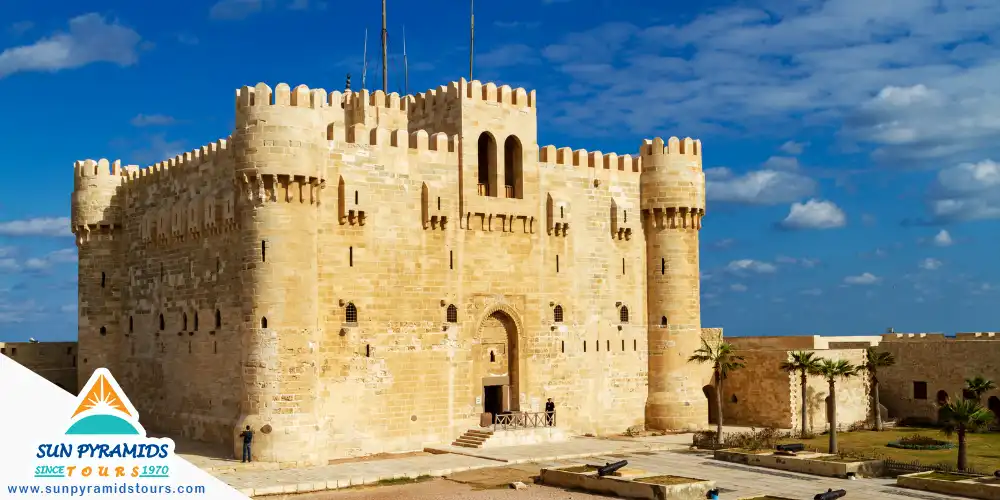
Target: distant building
x=56, y=361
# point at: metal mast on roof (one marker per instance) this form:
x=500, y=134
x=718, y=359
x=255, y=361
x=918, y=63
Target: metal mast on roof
x=385, y=69
x=406, y=69
x=364, y=64
x=472, y=34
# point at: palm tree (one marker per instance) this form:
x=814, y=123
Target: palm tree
x=724, y=360
x=805, y=363
x=875, y=359
x=833, y=370
x=979, y=385
x=962, y=416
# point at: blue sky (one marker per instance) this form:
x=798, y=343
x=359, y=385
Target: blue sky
x=849, y=144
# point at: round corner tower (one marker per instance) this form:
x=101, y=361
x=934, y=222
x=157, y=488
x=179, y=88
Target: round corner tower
x=97, y=222
x=672, y=200
x=280, y=151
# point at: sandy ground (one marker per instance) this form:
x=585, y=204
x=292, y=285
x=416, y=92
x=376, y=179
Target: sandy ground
x=483, y=484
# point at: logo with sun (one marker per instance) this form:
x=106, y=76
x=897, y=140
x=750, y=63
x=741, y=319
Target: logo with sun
x=103, y=409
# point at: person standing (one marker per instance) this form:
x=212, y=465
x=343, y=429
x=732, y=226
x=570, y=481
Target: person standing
x=550, y=412
x=247, y=436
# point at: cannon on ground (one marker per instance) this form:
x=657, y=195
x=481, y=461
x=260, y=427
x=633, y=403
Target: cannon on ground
x=831, y=495
x=610, y=468
x=791, y=447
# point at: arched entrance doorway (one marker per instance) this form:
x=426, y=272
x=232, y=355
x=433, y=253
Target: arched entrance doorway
x=942, y=397
x=496, y=365
x=713, y=404
x=993, y=404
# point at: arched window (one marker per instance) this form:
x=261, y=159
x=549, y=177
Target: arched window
x=185, y=322
x=196, y=321
x=263, y=251
x=512, y=158
x=218, y=319
x=623, y=314
x=103, y=279
x=351, y=313
x=942, y=397
x=557, y=314
x=368, y=350
x=487, y=165
x=104, y=331
x=263, y=322
x=663, y=321
x=163, y=324
x=452, y=314
x=493, y=357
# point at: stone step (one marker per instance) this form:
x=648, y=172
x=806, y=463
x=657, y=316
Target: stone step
x=473, y=442
x=480, y=433
x=465, y=444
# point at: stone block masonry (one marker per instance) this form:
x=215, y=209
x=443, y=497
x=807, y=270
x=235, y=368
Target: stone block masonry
x=55, y=361
x=354, y=273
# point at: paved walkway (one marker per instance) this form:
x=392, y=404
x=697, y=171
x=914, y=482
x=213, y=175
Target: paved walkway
x=659, y=455
x=742, y=481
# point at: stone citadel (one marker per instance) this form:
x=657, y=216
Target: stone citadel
x=354, y=273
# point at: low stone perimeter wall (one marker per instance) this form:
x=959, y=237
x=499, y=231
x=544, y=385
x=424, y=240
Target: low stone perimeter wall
x=628, y=484
x=819, y=464
x=986, y=488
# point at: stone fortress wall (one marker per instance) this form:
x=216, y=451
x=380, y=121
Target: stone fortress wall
x=930, y=368
x=55, y=361
x=349, y=273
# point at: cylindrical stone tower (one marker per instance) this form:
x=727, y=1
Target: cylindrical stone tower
x=672, y=199
x=97, y=224
x=280, y=150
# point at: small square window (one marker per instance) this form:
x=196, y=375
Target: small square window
x=919, y=390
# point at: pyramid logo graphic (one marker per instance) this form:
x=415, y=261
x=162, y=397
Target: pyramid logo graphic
x=103, y=409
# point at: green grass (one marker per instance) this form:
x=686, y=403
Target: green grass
x=580, y=468
x=404, y=480
x=983, y=448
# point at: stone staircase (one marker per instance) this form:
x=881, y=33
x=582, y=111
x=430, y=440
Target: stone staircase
x=473, y=438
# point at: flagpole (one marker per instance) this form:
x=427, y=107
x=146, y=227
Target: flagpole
x=385, y=69
x=406, y=68
x=364, y=64
x=472, y=34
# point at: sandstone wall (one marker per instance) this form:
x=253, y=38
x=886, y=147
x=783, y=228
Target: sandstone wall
x=357, y=210
x=943, y=364
x=55, y=361
x=767, y=396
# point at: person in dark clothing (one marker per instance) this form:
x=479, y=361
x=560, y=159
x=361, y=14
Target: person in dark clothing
x=550, y=412
x=247, y=436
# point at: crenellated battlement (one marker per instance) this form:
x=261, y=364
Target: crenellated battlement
x=178, y=164
x=593, y=159
x=97, y=168
x=939, y=337
x=673, y=146
x=419, y=140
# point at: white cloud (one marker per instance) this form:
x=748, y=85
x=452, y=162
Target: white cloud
x=142, y=120
x=9, y=265
x=775, y=66
x=751, y=265
x=968, y=191
x=794, y=148
x=738, y=287
x=814, y=214
x=69, y=308
x=929, y=264
x=90, y=39
x=943, y=239
x=46, y=226
x=862, y=279
x=804, y=262
x=506, y=56
x=787, y=163
x=759, y=187
x=815, y=292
